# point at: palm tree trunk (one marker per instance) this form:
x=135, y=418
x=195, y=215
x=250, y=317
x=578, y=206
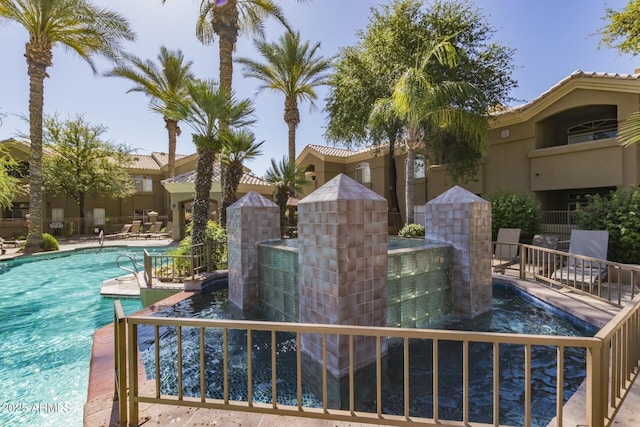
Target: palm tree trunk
x=409, y=192
x=392, y=196
x=204, y=172
x=38, y=59
x=292, y=119
x=173, y=131
x=82, y=225
x=225, y=24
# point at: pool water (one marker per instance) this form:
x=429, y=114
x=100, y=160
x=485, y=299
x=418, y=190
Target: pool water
x=513, y=311
x=50, y=305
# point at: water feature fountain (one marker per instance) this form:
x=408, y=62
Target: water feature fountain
x=342, y=271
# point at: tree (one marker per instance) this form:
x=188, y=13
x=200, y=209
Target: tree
x=165, y=83
x=227, y=19
x=10, y=185
x=428, y=108
x=238, y=147
x=622, y=33
x=82, y=164
x=288, y=179
x=78, y=26
x=209, y=106
x=292, y=68
x=391, y=44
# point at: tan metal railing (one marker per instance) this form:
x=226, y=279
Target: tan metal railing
x=609, y=281
x=120, y=360
x=166, y=267
x=617, y=343
x=620, y=359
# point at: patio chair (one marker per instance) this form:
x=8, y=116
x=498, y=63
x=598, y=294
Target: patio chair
x=589, y=243
x=506, y=249
x=155, y=232
x=10, y=242
x=122, y=234
x=544, y=262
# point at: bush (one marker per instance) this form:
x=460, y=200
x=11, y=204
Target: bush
x=515, y=210
x=619, y=214
x=214, y=233
x=49, y=243
x=412, y=230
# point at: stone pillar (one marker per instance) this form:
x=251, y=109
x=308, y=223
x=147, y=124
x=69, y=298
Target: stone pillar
x=251, y=219
x=464, y=220
x=342, y=268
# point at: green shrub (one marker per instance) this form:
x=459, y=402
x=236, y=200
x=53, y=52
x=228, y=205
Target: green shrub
x=214, y=233
x=515, y=210
x=412, y=230
x=49, y=243
x=619, y=214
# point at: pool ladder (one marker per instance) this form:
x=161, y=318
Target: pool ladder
x=134, y=264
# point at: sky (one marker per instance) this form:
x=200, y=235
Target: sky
x=551, y=38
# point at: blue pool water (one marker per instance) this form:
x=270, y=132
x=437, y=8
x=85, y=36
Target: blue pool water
x=513, y=311
x=50, y=305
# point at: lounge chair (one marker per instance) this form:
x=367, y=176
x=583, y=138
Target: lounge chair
x=155, y=232
x=10, y=242
x=506, y=249
x=588, y=243
x=122, y=234
x=543, y=262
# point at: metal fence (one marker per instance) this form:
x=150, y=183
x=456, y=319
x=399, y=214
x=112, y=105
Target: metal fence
x=201, y=258
x=612, y=364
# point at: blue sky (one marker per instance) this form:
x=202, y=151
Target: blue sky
x=552, y=39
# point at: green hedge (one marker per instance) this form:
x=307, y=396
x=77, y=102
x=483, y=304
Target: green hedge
x=619, y=214
x=515, y=210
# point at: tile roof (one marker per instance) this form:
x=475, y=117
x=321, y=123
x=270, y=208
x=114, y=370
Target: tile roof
x=154, y=161
x=190, y=177
x=331, y=151
x=575, y=75
x=144, y=161
x=343, y=152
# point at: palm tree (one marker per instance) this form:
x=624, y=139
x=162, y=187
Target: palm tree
x=288, y=179
x=430, y=107
x=165, y=82
x=77, y=25
x=290, y=67
x=629, y=130
x=210, y=105
x=238, y=147
x=227, y=20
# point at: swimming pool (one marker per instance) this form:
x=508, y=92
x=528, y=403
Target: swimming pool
x=532, y=316
x=50, y=305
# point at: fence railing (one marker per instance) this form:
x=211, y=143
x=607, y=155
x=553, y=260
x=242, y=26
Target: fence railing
x=120, y=360
x=606, y=280
x=202, y=258
x=611, y=366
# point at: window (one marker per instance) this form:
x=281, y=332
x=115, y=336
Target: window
x=57, y=214
x=98, y=216
x=363, y=173
x=592, y=131
x=419, y=165
x=21, y=170
x=143, y=184
x=17, y=210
